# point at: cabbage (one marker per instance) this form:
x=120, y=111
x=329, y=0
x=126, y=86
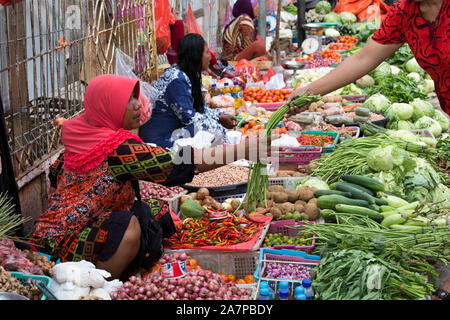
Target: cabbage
x=380, y=72
x=332, y=17
x=403, y=125
x=421, y=108
x=314, y=183
x=324, y=6
x=330, y=32
x=347, y=17
x=405, y=135
x=415, y=76
x=430, y=124
x=377, y=103
x=440, y=117
x=365, y=82
x=400, y=111
x=427, y=86
x=412, y=66
x=386, y=158
x=395, y=69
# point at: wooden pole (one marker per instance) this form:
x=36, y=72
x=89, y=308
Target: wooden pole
x=277, y=34
x=262, y=19
x=301, y=20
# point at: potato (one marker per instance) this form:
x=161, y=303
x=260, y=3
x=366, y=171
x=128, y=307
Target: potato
x=293, y=195
x=276, y=212
x=281, y=197
x=299, y=207
x=271, y=195
x=303, y=203
x=209, y=201
x=312, y=211
x=259, y=209
x=287, y=207
x=275, y=188
x=193, y=195
x=313, y=200
x=320, y=103
x=306, y=193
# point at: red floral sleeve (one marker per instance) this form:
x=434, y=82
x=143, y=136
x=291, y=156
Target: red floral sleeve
x=391, y=30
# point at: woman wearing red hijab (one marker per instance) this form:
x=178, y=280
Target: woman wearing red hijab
x=424, y=25
x=88, y=215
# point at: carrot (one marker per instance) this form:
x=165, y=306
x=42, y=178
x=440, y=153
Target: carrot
x=351, y=107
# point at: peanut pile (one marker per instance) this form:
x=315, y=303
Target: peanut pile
x=9, y=283
x=223, y=176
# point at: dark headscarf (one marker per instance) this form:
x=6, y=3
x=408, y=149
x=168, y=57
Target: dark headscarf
x=243, y=7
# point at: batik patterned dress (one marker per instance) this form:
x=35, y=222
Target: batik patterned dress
x=88, y=213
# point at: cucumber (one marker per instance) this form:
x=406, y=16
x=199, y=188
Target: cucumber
x=363, y=211
x=375, y=207
x=393, y=219
x=319, y=193
x=361, y=119
x=380, y=202
x=364, y=181
x=328, y=214
x=330, y=201
x=356, y=186
x=386, y=208
x=406, y=228
x=333, y=186
x=356, y=193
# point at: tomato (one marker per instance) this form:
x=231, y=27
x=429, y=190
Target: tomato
x=252, y=123
x=192, y=263
x=249, y=279
x=241, y=281
x=232, y=277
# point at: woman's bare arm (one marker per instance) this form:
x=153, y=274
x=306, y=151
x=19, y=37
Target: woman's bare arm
x=351, y=69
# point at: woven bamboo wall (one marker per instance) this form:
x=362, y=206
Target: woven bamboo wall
x=50, y=50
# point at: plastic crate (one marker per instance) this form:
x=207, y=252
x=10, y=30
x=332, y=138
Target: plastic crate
x=174, y=203
x=288, y=183
x=240, y=264
x=252, y=287
x=325, y=149
x=24, y=278
x=299, y=155
x=282, y=226
x=283, y=256
x=221, y=199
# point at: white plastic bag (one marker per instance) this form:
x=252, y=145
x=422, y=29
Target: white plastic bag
x=124, y=67
x=276, y=82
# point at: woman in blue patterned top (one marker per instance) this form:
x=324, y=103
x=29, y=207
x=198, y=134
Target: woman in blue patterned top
x=180, y=111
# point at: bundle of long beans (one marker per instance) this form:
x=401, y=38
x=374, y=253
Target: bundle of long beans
x=258, y=179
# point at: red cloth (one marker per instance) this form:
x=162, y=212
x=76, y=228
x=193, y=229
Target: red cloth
x=91, y=136
x=430, y=44
x=254, y=50
x=177, y=32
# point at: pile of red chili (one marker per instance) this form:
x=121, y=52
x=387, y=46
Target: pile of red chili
x=313, y=140
x=204, y=232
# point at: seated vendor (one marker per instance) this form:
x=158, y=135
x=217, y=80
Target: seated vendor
x=180, y=104
x=240, y=40
x=89, y=214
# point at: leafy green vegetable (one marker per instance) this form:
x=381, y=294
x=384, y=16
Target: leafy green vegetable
x=426, y=122
x=440, y=117
x=412, y=66
x=380, y=72
x=401, y=56
x=332, y=17
x=323, y=7
x=427, y=86
x=421, y=108
x=291, y=9
x=398, y=88
x=347, y=17
x=365, y=82
x=400, y=111
x=387, y=157
x=377, y=103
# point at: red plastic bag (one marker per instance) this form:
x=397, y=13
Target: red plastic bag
x=363, y=9
x=9, y=2
x=269, y=74
x=163, y=19
x=192, y=25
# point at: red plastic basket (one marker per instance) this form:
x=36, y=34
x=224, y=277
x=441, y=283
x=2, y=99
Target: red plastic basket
x=273, y=106
x=281, y=226
x=299, y=155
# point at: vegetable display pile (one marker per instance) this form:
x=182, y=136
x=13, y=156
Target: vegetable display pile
x=277, y=239
x=8, y=283
x=259, y=95
x=295, y=271
x=150, y=190
x=13, y=259
x=258, y=180
x=313, y=140
x=204, y=232
x=196, y=285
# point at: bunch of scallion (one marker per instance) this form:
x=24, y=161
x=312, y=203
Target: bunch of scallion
x=258, y=179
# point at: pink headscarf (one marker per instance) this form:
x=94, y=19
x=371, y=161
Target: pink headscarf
x=91, y=136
